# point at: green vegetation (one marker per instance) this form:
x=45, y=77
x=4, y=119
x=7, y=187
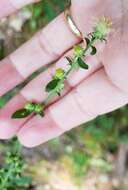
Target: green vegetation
x=11, y=174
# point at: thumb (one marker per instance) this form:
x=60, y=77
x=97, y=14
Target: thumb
x=84, y=12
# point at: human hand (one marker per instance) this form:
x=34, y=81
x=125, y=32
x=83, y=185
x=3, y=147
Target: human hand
x=90, y=93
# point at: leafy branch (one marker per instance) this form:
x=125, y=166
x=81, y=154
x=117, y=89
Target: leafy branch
x=57, y=84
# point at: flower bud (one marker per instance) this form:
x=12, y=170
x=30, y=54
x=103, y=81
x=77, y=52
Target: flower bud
x=30, y=106
x=78, y=50
x=38, y=108
x=59, y=73
x=102, y=28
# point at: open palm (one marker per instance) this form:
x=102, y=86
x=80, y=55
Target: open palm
x=90, y=93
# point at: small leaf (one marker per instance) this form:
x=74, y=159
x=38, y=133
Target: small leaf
x=41, y=114
x=52, y=85
x=104, y=40
x=69, y=60
x=94, y=50
x=23, y=181
x=22, y=113
x=82, y=64
x=58, y=93
x=87, y=41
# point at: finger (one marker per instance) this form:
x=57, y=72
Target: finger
x=40, y=50
x=35, y=91
x=94, y=96
x=9, y=6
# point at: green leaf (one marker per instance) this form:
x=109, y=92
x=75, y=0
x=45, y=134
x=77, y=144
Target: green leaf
x=94, y=50
x=23, y=181
x=22, y=113
x=52, y=85
x=87, y=41
x=41, y=114
x=69, y=60
x=82, y=64
x=58, y=93
x=104, y=40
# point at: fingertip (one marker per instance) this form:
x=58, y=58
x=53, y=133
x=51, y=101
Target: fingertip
x=8, y=126
x=38, y=130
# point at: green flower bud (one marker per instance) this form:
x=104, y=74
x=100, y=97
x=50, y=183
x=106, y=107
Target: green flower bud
x=38, y=108
x=78, y=50
x=102, y=28
x=59, y=73
x=30, y=106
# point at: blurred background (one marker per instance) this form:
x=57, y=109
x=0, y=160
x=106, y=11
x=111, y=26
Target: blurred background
x=93, y=156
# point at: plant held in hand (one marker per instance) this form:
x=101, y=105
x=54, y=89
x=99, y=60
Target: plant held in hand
x=56, y=85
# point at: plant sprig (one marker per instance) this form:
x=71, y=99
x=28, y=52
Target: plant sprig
x=57, y=84
x=11, y=176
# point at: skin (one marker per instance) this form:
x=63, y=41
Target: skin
x=101, y=89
